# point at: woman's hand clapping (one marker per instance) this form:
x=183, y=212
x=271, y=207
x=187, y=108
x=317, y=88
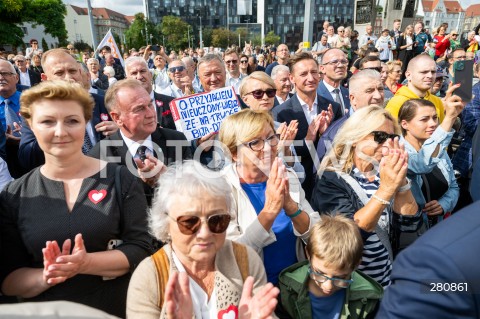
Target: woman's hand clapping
x=393, y=166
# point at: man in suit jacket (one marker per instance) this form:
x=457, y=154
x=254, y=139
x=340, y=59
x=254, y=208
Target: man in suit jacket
x=58, y=64
x=132, y=110
x=97, y=80
x=334, y=67
x=25, y=76
x=313, y=112
x=437, y=276
x=366, y=89
x=136, y=68
x=281, y=77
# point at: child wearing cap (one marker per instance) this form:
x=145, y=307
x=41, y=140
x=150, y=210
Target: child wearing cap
x=327, y=284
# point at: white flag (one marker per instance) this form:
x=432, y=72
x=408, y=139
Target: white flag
x=109, y=40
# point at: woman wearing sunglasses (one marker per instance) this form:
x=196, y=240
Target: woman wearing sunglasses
x=327, y=285
x=198, y=273
x=433, y=180
x=364, y=177
x=271, y=213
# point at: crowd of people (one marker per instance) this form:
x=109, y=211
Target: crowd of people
x=323, y=197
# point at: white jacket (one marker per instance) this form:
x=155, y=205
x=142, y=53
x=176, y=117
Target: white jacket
x=245, y=227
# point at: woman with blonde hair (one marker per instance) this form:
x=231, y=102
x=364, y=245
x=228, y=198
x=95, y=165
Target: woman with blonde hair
x=271, y=214
x=364, y=177
x=405, y=48
x=75, y=228
x=392, y=83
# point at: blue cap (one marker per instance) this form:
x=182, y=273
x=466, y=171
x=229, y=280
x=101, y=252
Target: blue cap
x=441, y=72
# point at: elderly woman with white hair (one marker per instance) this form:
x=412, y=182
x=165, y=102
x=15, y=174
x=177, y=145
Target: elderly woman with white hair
x=110, y=73
x=198, y=273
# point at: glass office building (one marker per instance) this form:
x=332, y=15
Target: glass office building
x=284, y=17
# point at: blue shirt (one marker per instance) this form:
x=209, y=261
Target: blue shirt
x=282, y=253
x=14, y=103
x=327, y=307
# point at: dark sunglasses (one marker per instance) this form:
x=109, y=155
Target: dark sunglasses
x=378, y=69
x=381, y=137
x=189, y=225
x=176, y=69
x=258, y=94
x=243, y=61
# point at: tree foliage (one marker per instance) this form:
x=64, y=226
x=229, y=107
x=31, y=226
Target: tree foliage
x=49, y=13
x=82, y=46
x=222, y=38
x=135, y=35
x=175, y=31
x=44, y=45
x=271, y=38
x=207, y=37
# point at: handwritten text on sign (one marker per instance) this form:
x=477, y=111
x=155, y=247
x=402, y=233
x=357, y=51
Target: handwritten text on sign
x=200, y=114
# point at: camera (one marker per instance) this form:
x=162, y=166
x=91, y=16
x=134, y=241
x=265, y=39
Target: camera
x=155, y=48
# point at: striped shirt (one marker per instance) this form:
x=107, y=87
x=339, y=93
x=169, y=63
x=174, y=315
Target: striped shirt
x=375, y=260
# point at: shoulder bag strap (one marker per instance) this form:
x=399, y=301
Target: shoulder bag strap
x=241, y=256
x=162, y=265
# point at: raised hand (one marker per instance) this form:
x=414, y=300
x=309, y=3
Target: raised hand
x=178, y=300
x=50, y=254
x=327, y=119
x=393, y=166
x=106, y=127
x=68, y=265
x=452, y=103
x=287, y=133
x=275, y=190
x=150, y=170
x=259, y=306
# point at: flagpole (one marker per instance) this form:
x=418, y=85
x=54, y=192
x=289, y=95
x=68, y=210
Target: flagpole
x=94, y=38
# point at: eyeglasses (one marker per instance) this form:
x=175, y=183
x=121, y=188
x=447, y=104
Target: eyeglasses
x=336, y=62
x=189, y=225
x=378, y=69
x=231, y=61
x=176, y=69
x=6, y=74
x=20, y=61
x=454, y=35
x=259, y=144
x=321, y=278
x=258, y=94
x=34, y=42
x=243, y=61
x=380, y=137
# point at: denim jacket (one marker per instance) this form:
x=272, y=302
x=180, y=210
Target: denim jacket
x=422, y=162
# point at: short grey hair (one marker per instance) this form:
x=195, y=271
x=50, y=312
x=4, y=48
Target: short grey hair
x=110, y=70
x=93, y=60
x=181, y=181
x=359, y=79
x=179, y=62
x=209, y=57
x=188, y=61
x=277, y=69
x=135, y=59
x=10, y=65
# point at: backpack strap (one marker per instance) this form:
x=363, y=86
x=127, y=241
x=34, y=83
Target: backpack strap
x=162, y=265
x=241, y=256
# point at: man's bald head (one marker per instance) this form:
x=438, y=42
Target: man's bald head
x=58, y=64
x=418, y=60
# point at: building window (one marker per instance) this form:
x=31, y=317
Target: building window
x=397, y=5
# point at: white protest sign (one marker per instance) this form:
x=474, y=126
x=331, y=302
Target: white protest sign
x=200, y=114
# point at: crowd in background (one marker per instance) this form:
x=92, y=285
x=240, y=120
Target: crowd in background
x=346, y=166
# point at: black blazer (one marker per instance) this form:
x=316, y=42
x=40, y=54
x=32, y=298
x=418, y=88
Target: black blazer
x=31, y=155
x=160, y=137
x=164, y=114
x=34, y=77
x=101, y=82
x=402, y=53
x=292, y=110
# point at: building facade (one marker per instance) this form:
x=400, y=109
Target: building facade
x=472, y=18
x=437, y=12
x=284, y=17
x=77, y=23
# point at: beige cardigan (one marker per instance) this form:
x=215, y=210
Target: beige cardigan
x=142, y=296
x=245, y=227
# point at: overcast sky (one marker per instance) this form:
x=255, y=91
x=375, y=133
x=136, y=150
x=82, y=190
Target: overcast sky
x=130, y=7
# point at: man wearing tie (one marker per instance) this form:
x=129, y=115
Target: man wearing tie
x=140, y=144
x=9, y=119
x=334, y=67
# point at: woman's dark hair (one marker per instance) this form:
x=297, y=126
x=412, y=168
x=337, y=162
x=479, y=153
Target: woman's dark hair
x=409, y=109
